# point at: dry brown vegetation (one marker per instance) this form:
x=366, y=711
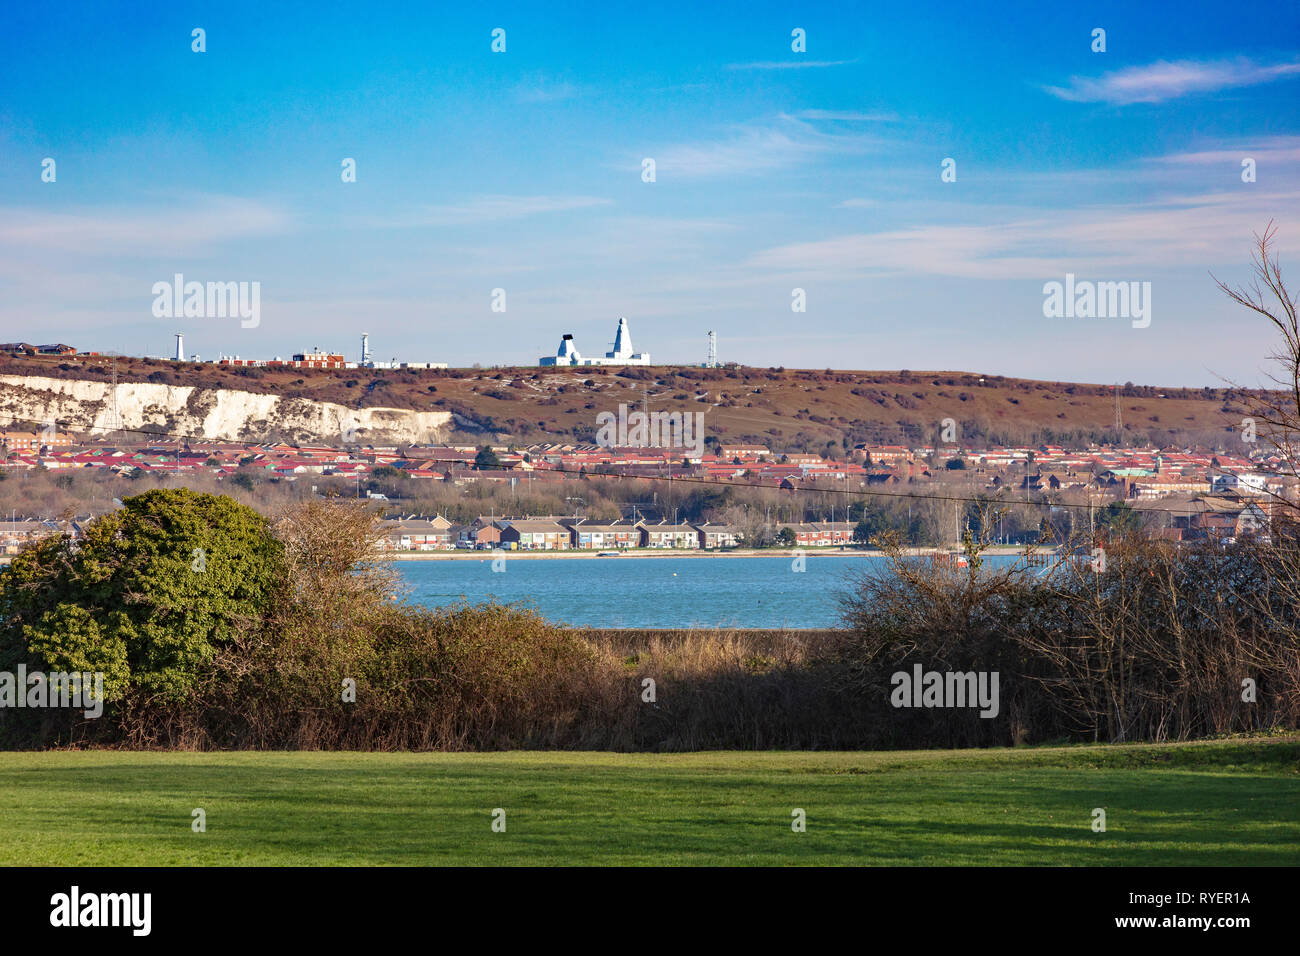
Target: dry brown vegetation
x=1278, y=407
x=1139, y=639
x=788, y=409
x=1154, y=647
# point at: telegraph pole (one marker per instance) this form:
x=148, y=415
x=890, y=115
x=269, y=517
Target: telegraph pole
x=1119, y=421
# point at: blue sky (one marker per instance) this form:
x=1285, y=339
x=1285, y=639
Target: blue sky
x=775, y=170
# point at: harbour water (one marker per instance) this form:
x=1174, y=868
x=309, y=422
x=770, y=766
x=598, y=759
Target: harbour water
x=627, y=591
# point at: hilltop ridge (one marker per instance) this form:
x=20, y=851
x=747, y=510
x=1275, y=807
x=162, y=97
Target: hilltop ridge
x=804, y=409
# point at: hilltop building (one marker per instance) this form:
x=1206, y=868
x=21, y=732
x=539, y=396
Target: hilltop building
x=313, y=359
x=567, y=353
x=25, y=348
x=318, y=359
x=368, y=359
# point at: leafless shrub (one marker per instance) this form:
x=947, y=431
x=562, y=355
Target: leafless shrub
x=1141, y=639
x=1277, y=410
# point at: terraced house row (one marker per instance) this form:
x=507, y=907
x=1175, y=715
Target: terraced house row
x=555, y=533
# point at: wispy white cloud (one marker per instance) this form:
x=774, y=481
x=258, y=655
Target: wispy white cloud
x=597, y=247
x=1170, y=233
x=754, y=148
x=1265, y=150
x=788, y=64
x=541, y=89
x=1163, y=80
x=488, y=209
x=177, y=226
x=847, y=116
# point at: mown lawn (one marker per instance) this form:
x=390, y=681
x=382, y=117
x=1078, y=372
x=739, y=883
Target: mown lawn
x=1231, y=802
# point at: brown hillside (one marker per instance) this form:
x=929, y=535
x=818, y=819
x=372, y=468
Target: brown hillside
x=787, y=409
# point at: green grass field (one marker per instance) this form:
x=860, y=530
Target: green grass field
x=1233, y=802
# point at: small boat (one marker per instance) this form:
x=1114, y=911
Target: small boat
x=608, y=554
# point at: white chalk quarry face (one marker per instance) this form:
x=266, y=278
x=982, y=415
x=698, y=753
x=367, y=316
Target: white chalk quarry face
x=210, y=413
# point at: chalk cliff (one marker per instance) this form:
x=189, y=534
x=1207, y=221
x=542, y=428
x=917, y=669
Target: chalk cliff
x=210, y=413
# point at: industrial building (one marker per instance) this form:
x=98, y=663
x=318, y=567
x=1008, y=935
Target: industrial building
x=24, y=348
x=318, y=359
x=313, y=359
x=368, y=361
x=567, y=353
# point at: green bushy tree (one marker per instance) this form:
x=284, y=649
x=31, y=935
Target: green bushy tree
x=147, y=596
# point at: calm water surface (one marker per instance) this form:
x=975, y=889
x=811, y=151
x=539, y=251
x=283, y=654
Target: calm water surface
x=652, y=592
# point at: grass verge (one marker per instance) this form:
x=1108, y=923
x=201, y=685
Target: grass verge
x=1231, y=802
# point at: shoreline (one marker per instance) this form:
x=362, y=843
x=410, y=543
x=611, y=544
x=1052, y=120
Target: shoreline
x=1001, y=551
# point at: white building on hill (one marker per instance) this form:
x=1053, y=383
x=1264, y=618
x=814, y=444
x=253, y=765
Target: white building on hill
x=567, y=353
